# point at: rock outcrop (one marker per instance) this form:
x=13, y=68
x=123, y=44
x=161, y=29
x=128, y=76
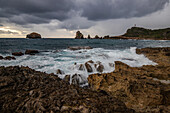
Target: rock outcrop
x=79, y=35
x=137, y=86
x=33, y=36
x=17, y=53
x=25, y=90
x=31, y=52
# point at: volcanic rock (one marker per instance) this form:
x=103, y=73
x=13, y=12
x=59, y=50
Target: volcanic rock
x=17, y=53
x=25, y=90
x=33, y=36
x=9, y=58
x=79, y=35
x=31, y=52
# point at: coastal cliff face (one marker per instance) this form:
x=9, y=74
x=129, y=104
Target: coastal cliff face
x=140, y=88
x=142, y=33
x=33, y=36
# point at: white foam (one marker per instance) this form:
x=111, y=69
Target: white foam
x=65, y=60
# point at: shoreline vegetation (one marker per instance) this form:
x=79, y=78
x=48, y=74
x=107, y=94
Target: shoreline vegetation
x=136, y=33
x=127, y=89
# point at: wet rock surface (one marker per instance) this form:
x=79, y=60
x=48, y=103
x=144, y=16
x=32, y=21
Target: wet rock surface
x=31, y=52
x=17, y=53
x=136, y=87
x=25, y=90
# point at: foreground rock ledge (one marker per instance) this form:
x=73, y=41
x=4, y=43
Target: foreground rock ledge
x=25, y=90
x=136, y=87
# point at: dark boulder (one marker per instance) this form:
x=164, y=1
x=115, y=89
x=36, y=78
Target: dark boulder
x=9, y=58
x=33, y=36
x=1, y=57
x=88, y=67
x=31, y=52
x=17, y=53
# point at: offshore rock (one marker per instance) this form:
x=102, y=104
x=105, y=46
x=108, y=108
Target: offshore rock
x=31, y=52
x=79, y=35
x=25, y=90
x=33, y=36
x=17, y=53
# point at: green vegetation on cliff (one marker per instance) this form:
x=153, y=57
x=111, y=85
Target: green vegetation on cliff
x=148, y=33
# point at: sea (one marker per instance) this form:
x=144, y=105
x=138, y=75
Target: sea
x=54, y=54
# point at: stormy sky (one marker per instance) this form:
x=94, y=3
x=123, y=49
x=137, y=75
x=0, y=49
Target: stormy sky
x=62, y=18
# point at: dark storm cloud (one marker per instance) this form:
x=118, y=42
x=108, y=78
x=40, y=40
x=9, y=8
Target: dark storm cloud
x=35, y=11
x=43, y=11
x=7, y=32
x=113, y=9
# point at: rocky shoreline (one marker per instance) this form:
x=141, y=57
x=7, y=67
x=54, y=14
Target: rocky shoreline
x=127, y=89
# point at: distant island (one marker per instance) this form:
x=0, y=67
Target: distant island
x=135, y=33
x=34, y=36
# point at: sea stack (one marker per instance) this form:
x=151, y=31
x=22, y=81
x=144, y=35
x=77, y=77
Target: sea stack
x=79, y=35
x=34, y=36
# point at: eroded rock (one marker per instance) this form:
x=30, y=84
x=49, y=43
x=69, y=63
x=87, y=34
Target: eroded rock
x=25, y=90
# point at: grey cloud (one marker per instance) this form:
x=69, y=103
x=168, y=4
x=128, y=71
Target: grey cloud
x=7, y=32
x=25, y=12
x=76, y=23
x=113, y=9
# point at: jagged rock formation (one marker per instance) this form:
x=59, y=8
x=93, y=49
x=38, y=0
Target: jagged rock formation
x=33, y=36
x=79, y=35
x=137, y=87
x=25, y=90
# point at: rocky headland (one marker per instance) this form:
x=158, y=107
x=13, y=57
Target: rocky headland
x=138, y=33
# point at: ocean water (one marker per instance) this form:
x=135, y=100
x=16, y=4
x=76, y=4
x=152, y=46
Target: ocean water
x=54, y=54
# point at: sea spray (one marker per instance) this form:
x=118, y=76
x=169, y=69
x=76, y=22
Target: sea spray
x=69, y=61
